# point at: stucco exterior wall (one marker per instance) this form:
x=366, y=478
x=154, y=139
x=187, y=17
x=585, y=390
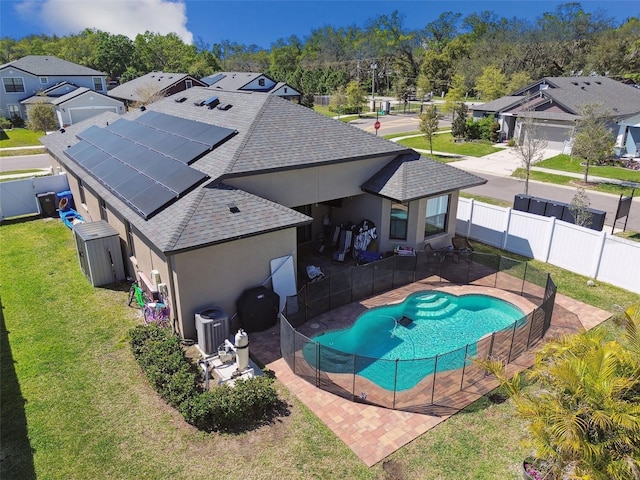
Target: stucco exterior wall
x=312, y=185
x=217, y=275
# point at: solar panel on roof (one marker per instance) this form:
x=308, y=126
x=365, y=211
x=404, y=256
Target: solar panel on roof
x=145, y=161
x=151, y=200
x=216, y=78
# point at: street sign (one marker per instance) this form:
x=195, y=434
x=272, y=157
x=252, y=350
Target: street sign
x=376, y=125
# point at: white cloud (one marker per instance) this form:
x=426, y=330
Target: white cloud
x=126, y=17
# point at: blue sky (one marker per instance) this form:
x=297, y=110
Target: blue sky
x=259, y=22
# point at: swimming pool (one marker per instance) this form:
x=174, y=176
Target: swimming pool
x=424, y=326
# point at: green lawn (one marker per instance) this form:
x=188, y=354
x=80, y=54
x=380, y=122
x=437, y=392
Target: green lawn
x=564, y=180
x=566, y=163
x=74, y=404
x=443, y=142
x=19, y=137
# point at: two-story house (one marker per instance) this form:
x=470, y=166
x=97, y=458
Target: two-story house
x=30, y=75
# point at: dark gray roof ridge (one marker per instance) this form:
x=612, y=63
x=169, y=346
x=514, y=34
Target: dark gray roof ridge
x=179, y=227
x=245, y=140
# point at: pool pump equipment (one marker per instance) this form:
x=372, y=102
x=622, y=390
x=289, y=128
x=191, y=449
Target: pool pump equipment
x=230, y=362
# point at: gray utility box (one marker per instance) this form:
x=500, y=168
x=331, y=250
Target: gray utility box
x=99, y=253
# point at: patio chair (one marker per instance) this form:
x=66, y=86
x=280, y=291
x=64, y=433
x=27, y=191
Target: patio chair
x=433, y=256
x=461, y=244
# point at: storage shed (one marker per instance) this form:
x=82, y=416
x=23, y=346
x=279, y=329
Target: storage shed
x=99, y=252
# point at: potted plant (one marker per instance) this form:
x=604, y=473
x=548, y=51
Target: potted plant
x=582, y=405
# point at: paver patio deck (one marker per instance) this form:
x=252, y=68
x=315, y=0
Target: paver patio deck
x=373, y=433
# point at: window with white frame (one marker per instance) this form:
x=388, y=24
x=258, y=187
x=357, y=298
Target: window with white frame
x=13, y=110
x=13, y=85
x=188, y=83
x=97, y=83
x=399, y=221
x=437, y=215
x=261, y=82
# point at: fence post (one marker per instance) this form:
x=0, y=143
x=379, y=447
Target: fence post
x=524, y=278
x=395, y=384
x=353, y=384
x=433, y=386
x=513, y=336
x=552, y=226
x=464, y=365
x=598, y=257
x=470, y=219
x=507, y=223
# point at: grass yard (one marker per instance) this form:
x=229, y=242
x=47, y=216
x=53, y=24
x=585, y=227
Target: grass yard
x=564, y=180
x=443, y=142
x=74, y=404
x=19, y=137
x=566, y=163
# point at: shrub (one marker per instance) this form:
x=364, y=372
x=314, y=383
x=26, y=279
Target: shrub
x=16, y=121
x=173, y=376
x=230, y=408
x=5, y=123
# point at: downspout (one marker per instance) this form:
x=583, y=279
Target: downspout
x=172, y=293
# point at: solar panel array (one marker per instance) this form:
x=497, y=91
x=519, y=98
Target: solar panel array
x=145, y=162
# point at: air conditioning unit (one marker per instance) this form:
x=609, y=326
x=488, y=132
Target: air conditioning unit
x=212, y=328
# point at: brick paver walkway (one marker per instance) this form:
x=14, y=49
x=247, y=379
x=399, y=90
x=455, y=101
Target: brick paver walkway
x=374, y=433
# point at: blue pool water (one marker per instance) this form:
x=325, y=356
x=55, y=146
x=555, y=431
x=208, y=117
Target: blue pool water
x=424, y=325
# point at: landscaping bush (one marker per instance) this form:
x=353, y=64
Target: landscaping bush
x=174, y=377
x=5, y=123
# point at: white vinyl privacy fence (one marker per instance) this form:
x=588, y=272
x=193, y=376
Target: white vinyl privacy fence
x=594, y=254
x=20, y=197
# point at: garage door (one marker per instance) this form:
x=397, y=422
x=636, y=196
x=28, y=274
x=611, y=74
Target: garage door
x=80, y=114
x=555, y=136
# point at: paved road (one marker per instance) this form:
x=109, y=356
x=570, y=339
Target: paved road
x=506, y=188
x=391, y=124
x=25, y=162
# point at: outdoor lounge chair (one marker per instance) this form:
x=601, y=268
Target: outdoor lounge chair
x=461, y=244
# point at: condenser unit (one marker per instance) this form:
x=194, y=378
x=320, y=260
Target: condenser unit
x=212, y=328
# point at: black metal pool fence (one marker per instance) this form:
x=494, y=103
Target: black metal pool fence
x=439, y=378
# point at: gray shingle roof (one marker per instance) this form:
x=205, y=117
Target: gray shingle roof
x=273, y=135
x=48, y=65
x=571, y=93
x=574, y=92
x=157, y=82
x=497, y=105
x=410, y=177
x=232, y=80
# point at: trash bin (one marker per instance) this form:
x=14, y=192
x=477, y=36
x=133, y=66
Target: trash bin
x=554, y=209
x=537, y=205
x=47, y=204
x=521, y=202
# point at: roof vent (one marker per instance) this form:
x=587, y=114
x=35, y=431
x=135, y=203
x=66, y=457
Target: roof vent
x=224, y=106
x=180, y=100
x=233, y=208
x=199, y=104
x=142, y=108
x=62, y=130
x=212, y=102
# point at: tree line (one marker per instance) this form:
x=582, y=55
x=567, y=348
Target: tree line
x=482, y=54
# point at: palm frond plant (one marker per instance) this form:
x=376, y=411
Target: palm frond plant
x=582, y=405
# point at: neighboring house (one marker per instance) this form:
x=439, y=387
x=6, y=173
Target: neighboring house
x=628, y=138
x=555, y=104
x=33, y=74
x=77, y=105
x=251, y=82
x=154, y=84
x=207, y=187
